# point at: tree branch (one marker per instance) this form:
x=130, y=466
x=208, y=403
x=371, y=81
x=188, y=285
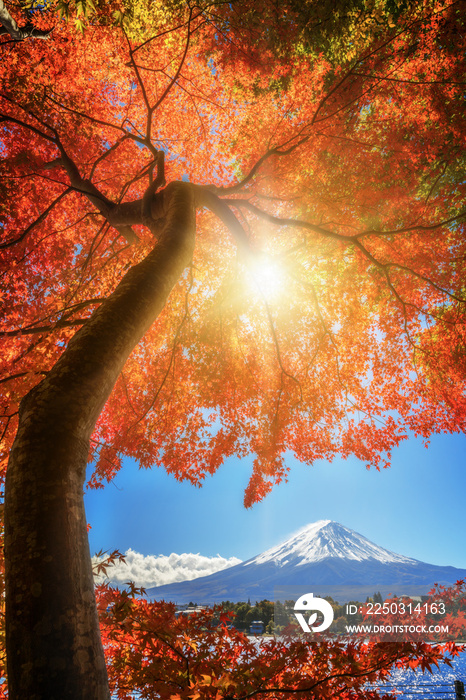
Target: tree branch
x=146, y=204
x=183, y=58
x=19, y=33
x=78, y=183
x=86, y=187
x=299, y=223
x=44, y=329
x=38, y=221
x=271, y=152
x=207, y=198
x=11, y=377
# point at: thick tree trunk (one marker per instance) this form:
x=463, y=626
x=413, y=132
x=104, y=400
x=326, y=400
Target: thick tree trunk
x=53, y=642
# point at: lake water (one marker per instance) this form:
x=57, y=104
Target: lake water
x=438, y=685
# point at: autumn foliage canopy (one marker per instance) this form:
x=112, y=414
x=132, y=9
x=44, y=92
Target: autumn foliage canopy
x=323, y=310
x=347, y=182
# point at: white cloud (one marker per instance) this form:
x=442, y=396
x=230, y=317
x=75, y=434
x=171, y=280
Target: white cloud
x=148, y=571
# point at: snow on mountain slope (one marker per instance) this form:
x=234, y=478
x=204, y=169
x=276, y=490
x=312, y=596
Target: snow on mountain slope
x=325, y=557
x=323, y=539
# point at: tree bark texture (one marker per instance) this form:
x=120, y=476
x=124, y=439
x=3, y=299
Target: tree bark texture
x=53, y=641
x=18, y=33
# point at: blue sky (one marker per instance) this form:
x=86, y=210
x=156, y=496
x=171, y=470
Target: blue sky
x=416, y=508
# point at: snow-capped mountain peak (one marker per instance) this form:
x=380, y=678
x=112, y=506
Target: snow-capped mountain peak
x=324, y=557
x=326, y=539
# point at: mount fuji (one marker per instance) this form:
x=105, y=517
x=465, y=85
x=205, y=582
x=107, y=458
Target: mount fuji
x=326, y=557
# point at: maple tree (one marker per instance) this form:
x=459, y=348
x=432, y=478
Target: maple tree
x=159, y=654
x=296, y=286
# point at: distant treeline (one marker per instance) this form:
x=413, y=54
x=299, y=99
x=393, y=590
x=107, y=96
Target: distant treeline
x=276, y=616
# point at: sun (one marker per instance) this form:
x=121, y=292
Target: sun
x=266, y=276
